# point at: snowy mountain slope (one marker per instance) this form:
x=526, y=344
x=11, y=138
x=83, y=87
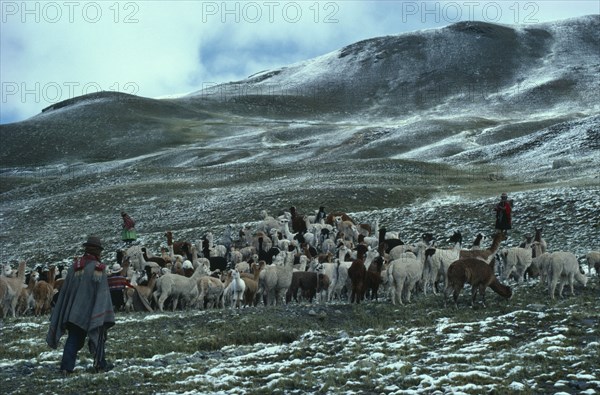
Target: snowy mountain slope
x=436, y=92
x=457, y=68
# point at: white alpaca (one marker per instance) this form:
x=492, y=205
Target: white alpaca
x=177, y=286
x=542, y=262
x=137, y=261
x=404, y=273
x=10, y=289
x=341, y=277
x=330, y=270
x=438, y=262
x=268, y=223
x=237, y=289
x=302, y=265
x=564, y=268
x=517, y=261
x=275, y=279
x=215, y=249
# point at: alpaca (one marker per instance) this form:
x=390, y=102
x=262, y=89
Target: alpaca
x=593, y=260
x=373, y=277
x=438, y=261
x=310, y=283
x=159, y=260
x=177, y=286
x=539, y=242
x=297, y=220
x=477, y=242
x=488, y=254
x=404, y=273
x=397, y=251
x=43, y=291
x=236, y=256
x=276, y=279
x=341, y=277
x=10, y=289
x=25, y=298
x=210, y=292
x=136, y=258
x=237, y=289
x=564, y=268
x=517, y=261
x=179, y=247
x=346, y=228
x=331, y=217
x=251, y=285
x=542, y=263
x=215, y=249
x=8, y=298
x=357, y=273
x=138, y=296
x=329, y=269
x=478, y=274
x=387, y=243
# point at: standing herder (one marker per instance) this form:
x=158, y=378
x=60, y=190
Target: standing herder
x=128, y=234
x=504, y=214
x=83, y=309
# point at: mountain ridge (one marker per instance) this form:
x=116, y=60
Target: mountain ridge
x=405, y=90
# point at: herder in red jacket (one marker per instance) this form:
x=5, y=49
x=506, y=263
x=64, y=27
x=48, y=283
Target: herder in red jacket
x=503, y=214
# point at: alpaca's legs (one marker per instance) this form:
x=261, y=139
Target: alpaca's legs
x=571, y=281
x=552, y=287
x=561, y=285
x=482, y=292
x=457, y=290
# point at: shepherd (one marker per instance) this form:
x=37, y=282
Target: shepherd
x=503, y=214
x=83, y=309
x=128, y=234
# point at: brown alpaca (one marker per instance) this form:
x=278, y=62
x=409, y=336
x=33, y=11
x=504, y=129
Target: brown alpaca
x=251, y=280
x=145, y=291
x=43, y=291
x=357, y=274
x=478, y=274
x=488, y=253
x=373, y=277
x=183, y=248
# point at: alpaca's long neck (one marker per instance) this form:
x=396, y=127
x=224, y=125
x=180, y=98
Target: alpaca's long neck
x=21, y=271
x=32, y=281
x=194, y=256
x=152, y=282
x=457, y=246
x=51, y=276
x=500, y=288
x=495, y=245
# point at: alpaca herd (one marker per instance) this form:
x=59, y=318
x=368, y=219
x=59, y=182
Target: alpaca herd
x=292, y=258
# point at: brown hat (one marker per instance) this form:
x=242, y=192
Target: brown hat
x=93, y=241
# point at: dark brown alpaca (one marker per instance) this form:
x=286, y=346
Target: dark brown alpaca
x=478, y=274
x=357, y=274
x=373, y=277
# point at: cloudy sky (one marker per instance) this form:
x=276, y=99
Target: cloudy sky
x=54, y=50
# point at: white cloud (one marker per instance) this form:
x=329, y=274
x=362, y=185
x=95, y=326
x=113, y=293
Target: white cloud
x=51, y=51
